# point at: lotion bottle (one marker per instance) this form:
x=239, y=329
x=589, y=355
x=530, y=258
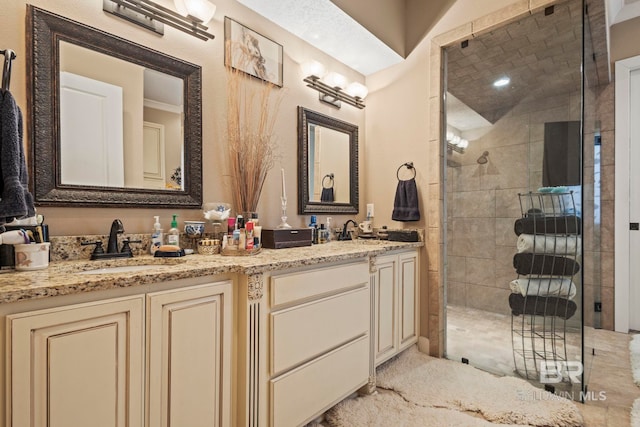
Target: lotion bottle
x=156, y=236
x=173, y=236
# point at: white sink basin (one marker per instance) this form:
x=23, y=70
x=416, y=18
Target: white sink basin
x=122, y=269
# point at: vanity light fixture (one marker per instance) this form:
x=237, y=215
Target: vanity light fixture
x=197, y=10
x=153, y=16
x=455, y=143
x=332, y=86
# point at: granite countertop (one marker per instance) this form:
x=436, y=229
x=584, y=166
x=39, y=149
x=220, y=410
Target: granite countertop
x=62, y=278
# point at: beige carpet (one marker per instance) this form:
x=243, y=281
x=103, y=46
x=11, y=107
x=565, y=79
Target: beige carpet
x=422, y=388
x=387, y=409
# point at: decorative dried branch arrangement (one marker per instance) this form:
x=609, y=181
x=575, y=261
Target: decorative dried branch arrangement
x=252, y=108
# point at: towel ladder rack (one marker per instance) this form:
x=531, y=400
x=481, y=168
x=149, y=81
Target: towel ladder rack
x=9, y=55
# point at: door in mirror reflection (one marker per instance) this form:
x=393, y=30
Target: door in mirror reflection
x=328, y=165
x=132, y=140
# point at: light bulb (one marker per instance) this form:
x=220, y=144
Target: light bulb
x=313, y=68
x=335, y=80
x=357, y=90
x=463, y=143
x=202, y=10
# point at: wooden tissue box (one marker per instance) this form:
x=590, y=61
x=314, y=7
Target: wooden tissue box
x=281, y=238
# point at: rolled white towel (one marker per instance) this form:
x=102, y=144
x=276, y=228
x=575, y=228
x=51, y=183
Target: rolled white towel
x=551, y=244
x=561, y=288
x=13, y=237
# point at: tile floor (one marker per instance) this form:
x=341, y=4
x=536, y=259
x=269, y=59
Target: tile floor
x=485, y=339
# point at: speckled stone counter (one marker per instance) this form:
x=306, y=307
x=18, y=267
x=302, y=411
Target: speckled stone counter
x=63, y=278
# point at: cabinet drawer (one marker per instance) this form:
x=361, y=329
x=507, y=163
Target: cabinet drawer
x=304, y=393
x=306, y=285
x=306, y=331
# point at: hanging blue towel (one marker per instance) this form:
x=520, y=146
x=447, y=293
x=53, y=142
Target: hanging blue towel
x=405, y=206
x=15, y=199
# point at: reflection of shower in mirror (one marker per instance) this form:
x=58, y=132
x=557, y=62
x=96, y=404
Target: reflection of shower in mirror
x=484, y=158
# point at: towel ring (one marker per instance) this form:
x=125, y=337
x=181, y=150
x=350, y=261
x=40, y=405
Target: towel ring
x=330, y=176
x=408, y=165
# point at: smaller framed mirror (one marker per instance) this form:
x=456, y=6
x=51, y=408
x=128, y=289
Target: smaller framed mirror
x=327, y=164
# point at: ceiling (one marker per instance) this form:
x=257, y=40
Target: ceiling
x=540, y=53
x=365, y=38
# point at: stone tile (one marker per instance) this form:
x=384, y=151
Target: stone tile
x=507, y=168
x=468, y=178
x=435, y=118
x=456, y=268
x=607, y=153
x=536, y=153
x=608, y=182
x=474, y=204
x=588, y=314
x=504, y=265
x=607, y=225
x=459, y=33
x=436, y=293
x=607, y=265
x=457, y=293
x=481, y=271
x=501, y=17
x=488, y=298
x=473, y=237
x=505, y=236
x=436, y=344
x=435, y=68
x=507, y=202
x=607, y=315
x=433, y=249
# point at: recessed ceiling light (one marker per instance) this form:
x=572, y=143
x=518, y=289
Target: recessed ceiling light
x=502, y=81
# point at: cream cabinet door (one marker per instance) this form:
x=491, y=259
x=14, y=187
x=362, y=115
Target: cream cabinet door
x=79, y=365
x=189, y=362
x=385, y=296
x=408, y=298
x=395, y=304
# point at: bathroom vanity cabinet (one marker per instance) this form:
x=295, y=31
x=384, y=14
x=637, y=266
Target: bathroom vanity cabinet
x=319, y=340
x=160, y=358
x=395, y=303
x=271, y=340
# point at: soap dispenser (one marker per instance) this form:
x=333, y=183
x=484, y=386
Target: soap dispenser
x=156, y=236
x=173, y=237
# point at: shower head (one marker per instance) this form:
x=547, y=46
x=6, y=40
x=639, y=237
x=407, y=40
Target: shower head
x=483, y=159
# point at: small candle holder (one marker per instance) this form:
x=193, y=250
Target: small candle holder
x=284, y=224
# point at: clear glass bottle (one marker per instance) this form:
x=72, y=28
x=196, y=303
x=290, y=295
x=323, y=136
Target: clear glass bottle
x=322, y=234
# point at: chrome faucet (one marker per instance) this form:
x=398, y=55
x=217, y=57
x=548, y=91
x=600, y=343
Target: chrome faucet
x=345, y=234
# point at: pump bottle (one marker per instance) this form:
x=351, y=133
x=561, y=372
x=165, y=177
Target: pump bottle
x=156, y=236
x=173, y=236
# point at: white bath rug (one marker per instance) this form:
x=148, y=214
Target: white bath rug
x=635, y=413
x=385, y=409
x=634, y=350
x=441, y=383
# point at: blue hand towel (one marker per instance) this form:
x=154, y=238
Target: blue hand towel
x=15, y=199
x=405, y=207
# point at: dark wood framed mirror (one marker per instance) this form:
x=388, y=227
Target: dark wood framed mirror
x=327, y=164
x=148, y=176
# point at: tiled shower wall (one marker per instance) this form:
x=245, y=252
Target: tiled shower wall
x=482, y=203
x=482, y=200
